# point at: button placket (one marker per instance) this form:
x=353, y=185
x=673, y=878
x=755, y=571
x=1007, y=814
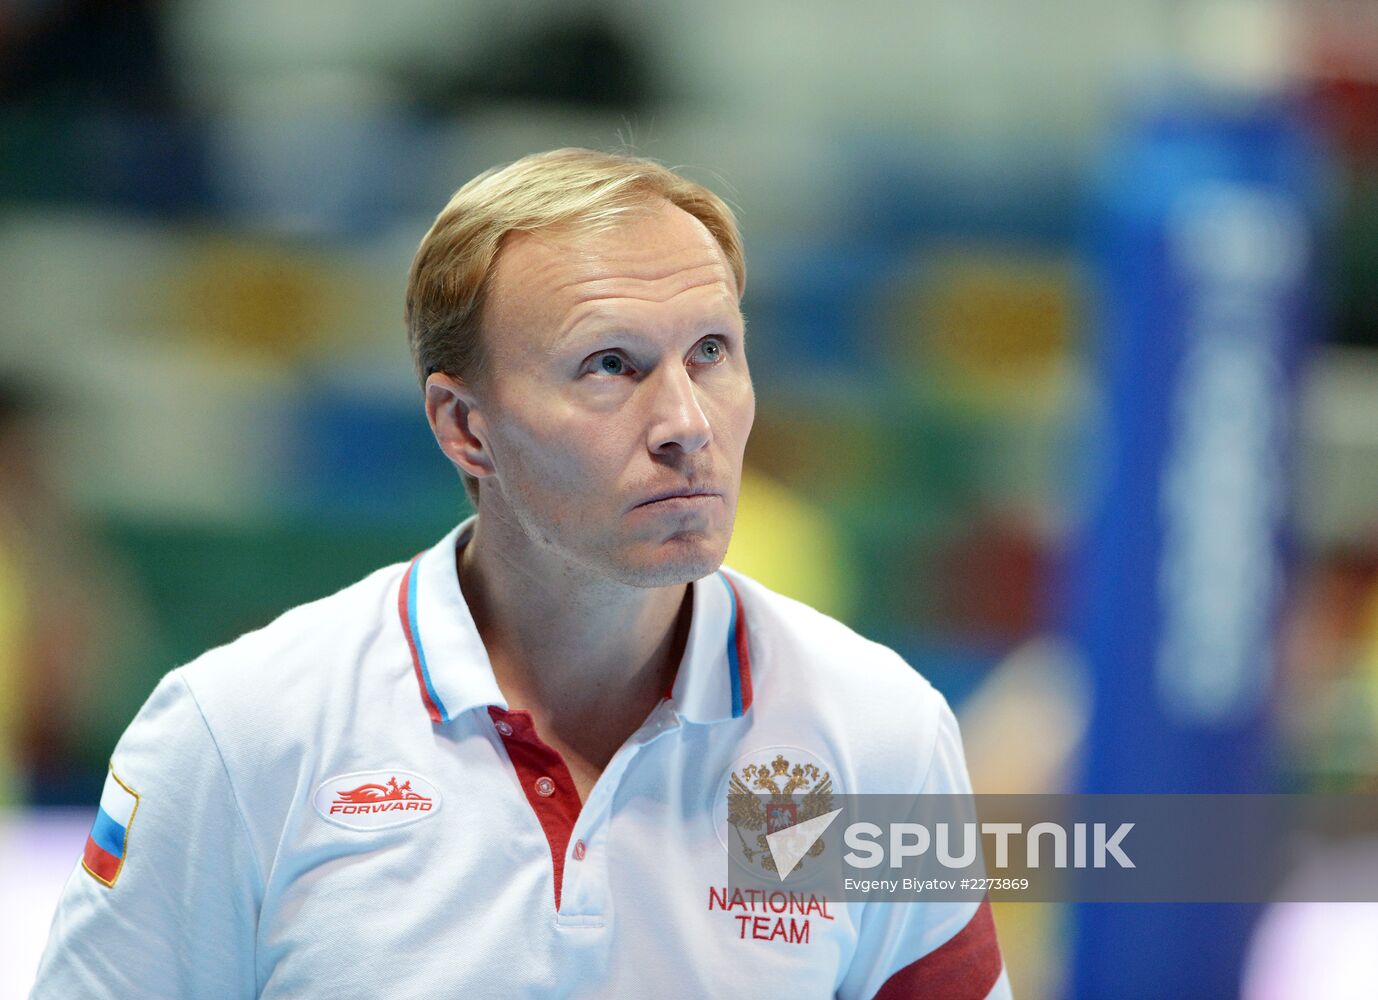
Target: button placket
x=581, y=890
x=591, y=830
x=546, y=783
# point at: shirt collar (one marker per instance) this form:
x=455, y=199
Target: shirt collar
x=455, y=675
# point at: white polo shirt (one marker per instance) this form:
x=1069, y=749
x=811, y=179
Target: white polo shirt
x=341, y=805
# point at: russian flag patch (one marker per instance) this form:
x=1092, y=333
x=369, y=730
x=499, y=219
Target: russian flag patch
x=109, y=839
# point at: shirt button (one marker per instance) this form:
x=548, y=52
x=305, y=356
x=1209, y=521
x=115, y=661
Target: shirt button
x=579, y=850
x=544, y=786
x=503, y=727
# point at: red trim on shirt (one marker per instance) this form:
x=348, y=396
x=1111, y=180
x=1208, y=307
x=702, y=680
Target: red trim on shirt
x=535, y=759
x=743, y=649
x=411, y=640
x=964, y=968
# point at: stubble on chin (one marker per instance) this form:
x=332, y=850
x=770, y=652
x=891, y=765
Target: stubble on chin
x=671, y=562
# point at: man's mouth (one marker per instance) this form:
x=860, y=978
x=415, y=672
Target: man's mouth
x=687, y=496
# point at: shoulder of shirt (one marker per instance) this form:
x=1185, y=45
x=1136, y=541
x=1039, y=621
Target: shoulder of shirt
x=857, y=682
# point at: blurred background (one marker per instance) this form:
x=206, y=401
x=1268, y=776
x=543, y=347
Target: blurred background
x=1064, y=326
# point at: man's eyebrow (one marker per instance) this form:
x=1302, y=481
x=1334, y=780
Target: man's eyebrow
x=597, y=324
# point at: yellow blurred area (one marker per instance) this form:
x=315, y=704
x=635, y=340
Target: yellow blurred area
x=1032, y=935
x=991, y=326
x=12, y=613
x=246, y=295
x=791, y=546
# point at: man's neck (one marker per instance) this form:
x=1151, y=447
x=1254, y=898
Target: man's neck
x=566, y=647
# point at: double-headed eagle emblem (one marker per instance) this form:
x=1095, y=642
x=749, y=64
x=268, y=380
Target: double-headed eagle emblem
x=748, y=811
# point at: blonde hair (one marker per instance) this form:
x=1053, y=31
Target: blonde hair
x=578, y=190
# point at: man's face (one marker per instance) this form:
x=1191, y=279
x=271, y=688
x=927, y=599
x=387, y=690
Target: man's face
x=617, y=377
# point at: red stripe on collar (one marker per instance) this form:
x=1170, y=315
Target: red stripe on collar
x=404, y=613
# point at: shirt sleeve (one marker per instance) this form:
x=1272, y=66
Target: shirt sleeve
x=164, y=901
x=938, y=950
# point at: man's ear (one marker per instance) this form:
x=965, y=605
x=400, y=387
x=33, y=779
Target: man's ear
x=458, y=424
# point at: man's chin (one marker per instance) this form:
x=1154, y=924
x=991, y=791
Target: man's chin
x=679, y=560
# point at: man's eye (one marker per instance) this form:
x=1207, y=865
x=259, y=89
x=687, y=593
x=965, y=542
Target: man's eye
x=611, y=364
x=711, y=350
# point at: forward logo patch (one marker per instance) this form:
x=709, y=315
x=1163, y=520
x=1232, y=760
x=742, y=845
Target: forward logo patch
x=376, y=800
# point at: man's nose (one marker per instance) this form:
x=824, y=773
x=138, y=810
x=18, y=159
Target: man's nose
x=677, y=419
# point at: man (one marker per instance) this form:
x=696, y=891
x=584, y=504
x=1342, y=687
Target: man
x=500, y=769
